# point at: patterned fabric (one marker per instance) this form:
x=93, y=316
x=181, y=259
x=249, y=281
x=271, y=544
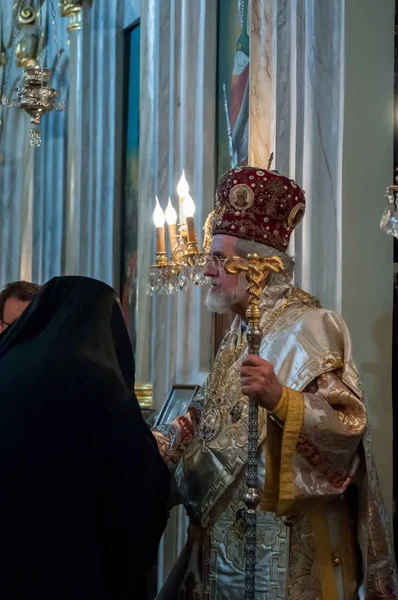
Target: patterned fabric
x=258, y=205
x=322, y=528
x=215, y=554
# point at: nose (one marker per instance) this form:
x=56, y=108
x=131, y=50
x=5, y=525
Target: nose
x=210, y=270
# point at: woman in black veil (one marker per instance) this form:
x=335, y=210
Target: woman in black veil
x=83, y=489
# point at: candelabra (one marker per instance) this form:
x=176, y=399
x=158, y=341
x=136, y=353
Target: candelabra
x=187, y=262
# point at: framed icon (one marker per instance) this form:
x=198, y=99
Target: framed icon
x=177, y=403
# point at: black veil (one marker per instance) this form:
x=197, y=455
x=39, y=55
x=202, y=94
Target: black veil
x=83, y=489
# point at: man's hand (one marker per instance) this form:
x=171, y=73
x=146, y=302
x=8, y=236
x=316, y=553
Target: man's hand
x=259, y=381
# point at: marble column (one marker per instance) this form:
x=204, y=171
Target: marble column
x=50, y=181
x=73, y=197
x=102, y=134
x=147, y=186
x=262, y=82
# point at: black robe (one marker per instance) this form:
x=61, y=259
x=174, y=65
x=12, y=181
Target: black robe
x=83, y=489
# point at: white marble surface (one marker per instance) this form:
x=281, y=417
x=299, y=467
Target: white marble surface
x=262, y=82
x=147, y=188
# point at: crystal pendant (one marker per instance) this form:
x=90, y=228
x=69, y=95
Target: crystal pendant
x=389, y=219
x=151, y=285
x=173, y=282
x=159, y=285
x=197, y=275
x=185, y=278
x=35, y=137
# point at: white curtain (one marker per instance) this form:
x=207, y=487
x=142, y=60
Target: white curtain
x=177, y=131
x=308, y=56
x=333, y=132
x=178, y=91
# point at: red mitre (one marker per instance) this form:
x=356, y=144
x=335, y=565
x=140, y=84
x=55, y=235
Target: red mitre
x=258, y=205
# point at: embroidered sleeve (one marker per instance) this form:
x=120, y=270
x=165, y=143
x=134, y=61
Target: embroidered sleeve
x=313, y=451
x=334, y=421
x=172, y=438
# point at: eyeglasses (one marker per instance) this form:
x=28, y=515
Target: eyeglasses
x=217, y=262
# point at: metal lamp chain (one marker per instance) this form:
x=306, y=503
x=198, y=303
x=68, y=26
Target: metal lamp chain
x=61, y=102
x=5, y=100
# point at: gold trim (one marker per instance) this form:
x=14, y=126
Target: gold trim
x=143, y=391
x=291, y=431
x=75, y=22
x=73, y=10
x=280, y=410
x=68, y=7
x=323, y=553
x=293, y=220
x=279, y=490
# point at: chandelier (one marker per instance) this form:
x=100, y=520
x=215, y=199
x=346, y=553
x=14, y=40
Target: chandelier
x=187, y=263
x=35, y=96
x=389, y=219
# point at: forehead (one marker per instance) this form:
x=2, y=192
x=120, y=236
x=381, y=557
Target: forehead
x=13, y=308
x=223, y=244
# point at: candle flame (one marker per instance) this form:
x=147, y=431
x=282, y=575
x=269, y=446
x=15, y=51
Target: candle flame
x=171, y=214
x=182, y=187
x=189, y=206
x=158, y=215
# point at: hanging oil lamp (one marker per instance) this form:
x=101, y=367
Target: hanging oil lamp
x=35, y=96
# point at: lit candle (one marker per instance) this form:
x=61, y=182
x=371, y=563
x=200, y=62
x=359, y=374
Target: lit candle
x=182, y=191
x=189, y=211
x=171, y=219
x=159, y=219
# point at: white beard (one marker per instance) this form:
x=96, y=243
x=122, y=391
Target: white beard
x=219, y=301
